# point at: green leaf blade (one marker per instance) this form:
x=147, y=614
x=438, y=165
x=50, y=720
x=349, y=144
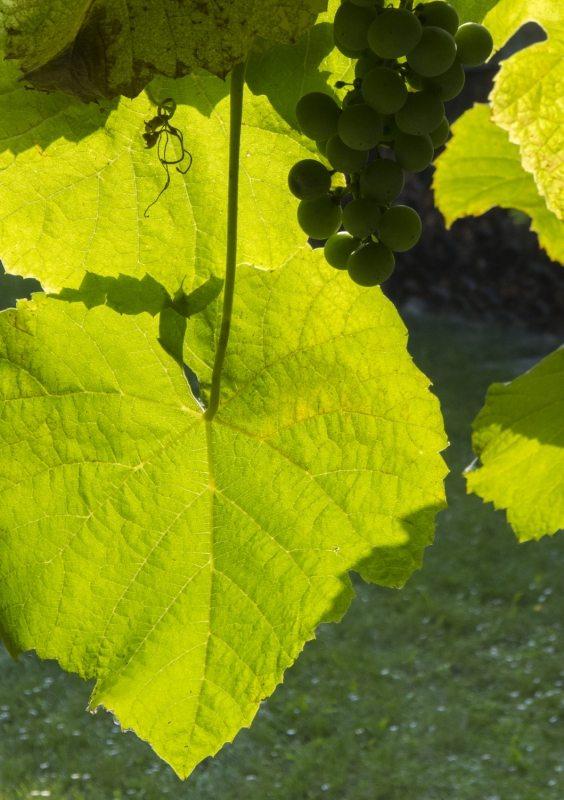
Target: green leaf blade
x=480, y=168
x=67, y=167
x=185, y=564
x=519, y=439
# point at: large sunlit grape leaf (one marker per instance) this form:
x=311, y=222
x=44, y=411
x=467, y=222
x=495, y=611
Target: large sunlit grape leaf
x=75, y=182
x=184, y=564
x=106, y=48
x=519, y=438
x=285, y=72
x=527, y=102
x=480, y=168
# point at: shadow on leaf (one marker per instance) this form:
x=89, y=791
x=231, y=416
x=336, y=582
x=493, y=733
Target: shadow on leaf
x=132, y=296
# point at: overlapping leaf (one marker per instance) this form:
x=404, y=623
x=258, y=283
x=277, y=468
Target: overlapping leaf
x=284, y=73
x=76, y=180
x=527, y=101
x=481, y=168
x=106, y=48
x=184, y=564
x=519, y=438
x=473, y=10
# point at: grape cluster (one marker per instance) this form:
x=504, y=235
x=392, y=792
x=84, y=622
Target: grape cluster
x=409, y=60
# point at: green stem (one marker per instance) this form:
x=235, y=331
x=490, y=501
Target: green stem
x=237, y=90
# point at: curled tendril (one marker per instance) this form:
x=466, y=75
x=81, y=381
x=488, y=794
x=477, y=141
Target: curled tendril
x=158, y=132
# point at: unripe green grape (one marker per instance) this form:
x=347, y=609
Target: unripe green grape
x=360, y=127
x=474, y=43
x=344, y=158
x=440, y=15
x=309, y=180
x=363, y=3
x=394, y=33
x=448, y=85
x=365, y=63
x=351, y=25
x=321, y=218
x=371, y=264
x=440, y=134
x=421, y=114
x=384, y=90
x=338, y=249
x=382, y=180
x=434, y=54
x=361, y=217
x=322, y=146
x=317, y=115
x=400, y=228
x=413, y=153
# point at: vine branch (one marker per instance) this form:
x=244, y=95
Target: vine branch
x=235, y=123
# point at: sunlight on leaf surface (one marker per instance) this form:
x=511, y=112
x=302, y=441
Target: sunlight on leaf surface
x=75, y=181
x=519, y=438
x=184, y=564
x=527, y=99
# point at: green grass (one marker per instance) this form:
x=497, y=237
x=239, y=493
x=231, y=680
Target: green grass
x=451, y=688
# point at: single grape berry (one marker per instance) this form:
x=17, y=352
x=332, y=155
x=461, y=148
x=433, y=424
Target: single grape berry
x=371, y=264
x=309, y=180
x=343, y=158
x=400, y=228
x=474, y=43
x=384, y=90
x=434, y=54
x=365, y=63
x=440, y=134
x=421, y=114
x=363, y=3
x=321, y=218
x=338, y=249
x=317, y=115
x=351, y=25
x=440, y=15
x=394, y=33
x=361, y=217
x=413, y=153
x=382, y=180
x=448, y=85
x=360, y=127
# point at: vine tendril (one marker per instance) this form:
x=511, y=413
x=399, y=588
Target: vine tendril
x=159, y=130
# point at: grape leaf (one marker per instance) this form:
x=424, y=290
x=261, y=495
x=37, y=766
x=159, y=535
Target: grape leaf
x=106, y=48
x=184, y=564
x=509, y=15
x=284, y=72
x=473, y=10
x=480, y=168
x=519, y=438
x=75, y=182
x=526, y=102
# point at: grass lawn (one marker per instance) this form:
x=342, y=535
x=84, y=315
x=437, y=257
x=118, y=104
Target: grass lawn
x=452, y=688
